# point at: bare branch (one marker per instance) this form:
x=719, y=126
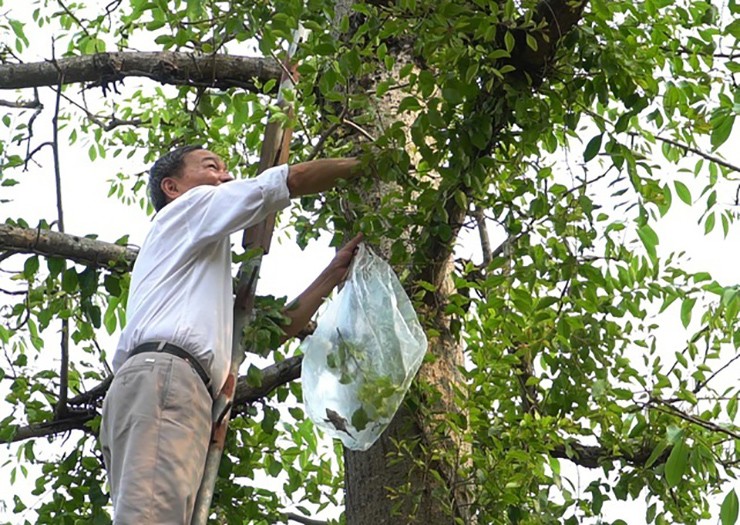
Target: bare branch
x=302, y=519
x=192, y=69
x=13, y=292
x=328, y=133
x=81, y=250
x=60, y=410
x=359, y=129
x=485, y=242
x=22, y=104
x=93, y=396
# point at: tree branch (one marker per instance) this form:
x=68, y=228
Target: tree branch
x=191, y=69
x=22, y=104
x=73, y=420
x=712, y=158
x=590, y=456
x=273, y=376
x=81, y=250
x=704, y=383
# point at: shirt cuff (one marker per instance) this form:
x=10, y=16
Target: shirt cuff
x=274, y=184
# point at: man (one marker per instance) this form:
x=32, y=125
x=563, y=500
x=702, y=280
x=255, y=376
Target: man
x=174, y=352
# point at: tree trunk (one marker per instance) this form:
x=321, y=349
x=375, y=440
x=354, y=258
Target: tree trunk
x=393, y=483
x=411, y=474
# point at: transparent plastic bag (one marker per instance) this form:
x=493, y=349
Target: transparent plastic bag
x=366, y=349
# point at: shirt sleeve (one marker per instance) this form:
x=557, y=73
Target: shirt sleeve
x=214, y=212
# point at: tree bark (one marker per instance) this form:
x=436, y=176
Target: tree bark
x=190, y=69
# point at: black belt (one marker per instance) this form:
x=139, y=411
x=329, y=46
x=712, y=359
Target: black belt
x=169, y=348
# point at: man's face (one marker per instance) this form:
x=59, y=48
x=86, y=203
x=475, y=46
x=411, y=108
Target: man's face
x=201, y=168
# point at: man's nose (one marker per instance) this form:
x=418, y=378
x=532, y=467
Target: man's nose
x=225, y=177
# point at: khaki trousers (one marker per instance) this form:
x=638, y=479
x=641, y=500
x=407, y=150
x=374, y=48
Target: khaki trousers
x=154, y=434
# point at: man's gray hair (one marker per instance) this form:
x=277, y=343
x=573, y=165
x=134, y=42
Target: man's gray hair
x=168, y=165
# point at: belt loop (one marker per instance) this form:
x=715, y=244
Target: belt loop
x=161, y=346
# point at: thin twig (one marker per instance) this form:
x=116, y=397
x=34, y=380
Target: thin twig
x=304, y=520
x=30, y=154
x=38, y=108
x=671, y=410
x=13, y=292
x=704, y=383
x=691, y=149
x=77, y=20
x=328, y=133
x=356, y=127
x=61, y=408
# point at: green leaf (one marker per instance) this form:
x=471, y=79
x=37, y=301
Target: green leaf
x=509, y=41
x=675, y=466
x=360, y=419
x=112, y=284
x=683, y=192
x=274, y=467
x=729, y=510
x=656, y=453
x=69, y=280
x=88, y=279
x=593, y=147
x=686, y=307
x=55, y=265
x=109, y=320
x=89, y=463
x=409, y=104
x=649, y=239
x=452, y=95
x=709, y=224
x=732, y=408
x=721, y=128
x=30, y=267
x=254, y=376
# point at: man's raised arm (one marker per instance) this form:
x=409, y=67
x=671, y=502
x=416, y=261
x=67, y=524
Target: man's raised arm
x=315, y=176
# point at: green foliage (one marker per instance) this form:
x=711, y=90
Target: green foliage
x=563, y=331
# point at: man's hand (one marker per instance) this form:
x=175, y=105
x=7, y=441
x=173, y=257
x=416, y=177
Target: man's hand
x=338, y=268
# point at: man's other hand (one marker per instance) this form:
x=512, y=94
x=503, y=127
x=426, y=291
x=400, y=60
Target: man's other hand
x=339, y=266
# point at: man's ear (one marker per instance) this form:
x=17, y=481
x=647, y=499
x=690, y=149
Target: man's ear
x=169, y=187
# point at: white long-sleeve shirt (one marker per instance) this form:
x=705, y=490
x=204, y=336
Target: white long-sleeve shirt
x=181, y=285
